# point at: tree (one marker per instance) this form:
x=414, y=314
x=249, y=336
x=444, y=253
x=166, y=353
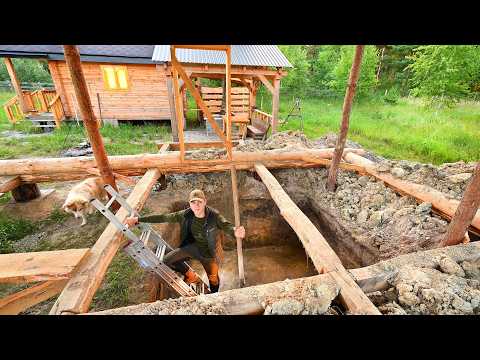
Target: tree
x=341, y=70
x=27, y=71
x=444, y=74
x=297, y=80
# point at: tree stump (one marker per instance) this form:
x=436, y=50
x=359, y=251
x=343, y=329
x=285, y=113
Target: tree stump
x=26, y=192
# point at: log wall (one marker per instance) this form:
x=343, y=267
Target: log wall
x=146, y=98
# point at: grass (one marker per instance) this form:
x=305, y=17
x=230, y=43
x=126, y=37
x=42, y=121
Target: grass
x=406, y=130
x=12, y=230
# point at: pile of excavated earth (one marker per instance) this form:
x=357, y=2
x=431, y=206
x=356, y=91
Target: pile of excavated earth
x=366, y=223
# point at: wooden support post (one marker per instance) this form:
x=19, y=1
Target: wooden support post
x=173, y=112
x=16, y=85
x=347, y=107
x=72, y=58
x=88, y=275
x=26, y=192
x=179, y=115
x=275, y=103
x=198, y=85
x=465, y=212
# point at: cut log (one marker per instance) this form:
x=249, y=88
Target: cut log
x=39, y=266
x=323, y=257
x=9, y=183
x=79, y=292
x=168, y=162
x=243, y=301
x=22, y=300
x=26, y=192
x=443, y=206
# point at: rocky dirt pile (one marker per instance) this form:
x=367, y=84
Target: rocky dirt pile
x=449, y=288
x=450, y=178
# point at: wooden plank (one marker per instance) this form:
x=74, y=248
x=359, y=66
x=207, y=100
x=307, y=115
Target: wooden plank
x=347, y=107
x=22, y=300
x=179, y=113
x=201, y=70
x=267, y=83
x=197, y=145
x=323, y=257
x=465, y=212
x=8, y=183
x=39, y=266
x=422, y=193
x=79, y=292
x=275, y=103
x=173, y=113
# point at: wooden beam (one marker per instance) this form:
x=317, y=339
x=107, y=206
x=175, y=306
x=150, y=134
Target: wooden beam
x=16, y=303
x=79, y=292
x=347, y=108
x=465, y=212
x=178, y=111
x=275, y=103
x=243, y=301
x=16, y=85
x=267, y=83
x=168, y=161
x=171, y=102
x=203, y=47
x=39, y=266
x=8, y=183
x=72, y=57
x=200, y=70
x=323, y=257
x=175, y=146
x=422, y=193
x=196, y=95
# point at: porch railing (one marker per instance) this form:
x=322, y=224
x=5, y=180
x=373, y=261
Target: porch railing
x=13, y=111
x=56, y=107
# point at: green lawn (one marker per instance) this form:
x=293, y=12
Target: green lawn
x=405, y=130
x=124, y=139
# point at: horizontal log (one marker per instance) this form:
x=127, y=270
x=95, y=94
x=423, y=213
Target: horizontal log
x=243, y=301
x=39, y=266
x=443, y=206
x=20, y=301
x=165, y=162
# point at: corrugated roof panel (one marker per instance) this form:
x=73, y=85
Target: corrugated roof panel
x=248, y=55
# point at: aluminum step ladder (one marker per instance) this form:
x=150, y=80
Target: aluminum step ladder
x=151, y=261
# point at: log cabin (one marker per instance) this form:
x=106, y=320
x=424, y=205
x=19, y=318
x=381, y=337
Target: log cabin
x=134, y=82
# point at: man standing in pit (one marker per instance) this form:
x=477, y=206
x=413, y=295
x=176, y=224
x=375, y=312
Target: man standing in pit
x=198, y=230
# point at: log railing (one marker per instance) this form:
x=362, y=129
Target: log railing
x=13, y=111
x=56, y=108
x=39, y=101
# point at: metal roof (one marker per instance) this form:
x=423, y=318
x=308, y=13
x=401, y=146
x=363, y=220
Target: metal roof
x=248, y=55
x=91, y=53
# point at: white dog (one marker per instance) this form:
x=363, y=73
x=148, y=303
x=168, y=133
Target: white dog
x=78, y=199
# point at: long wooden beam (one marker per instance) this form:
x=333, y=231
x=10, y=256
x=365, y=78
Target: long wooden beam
x=267, y=83
x=323, y=257
x=347, y=107
x=22, y=300
x=79, y=292
x=443, y=206
x=39, y=266
x=169, y=161
x=198, y=70
x=72, y=57
x=196, y=145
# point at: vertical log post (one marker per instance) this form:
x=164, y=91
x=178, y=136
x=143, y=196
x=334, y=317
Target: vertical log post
x=465, y=212
x=347, y=107
x=16, y=85
x=178, y=106
x=275, y=103
x=171, y=102
x=72, y=58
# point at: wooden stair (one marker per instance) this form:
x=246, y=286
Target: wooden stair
x=46, y=120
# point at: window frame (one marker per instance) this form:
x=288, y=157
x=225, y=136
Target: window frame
x=117, y=82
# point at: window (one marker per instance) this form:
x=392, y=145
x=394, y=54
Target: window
x=115, y=77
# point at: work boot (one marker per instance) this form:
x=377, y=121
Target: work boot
x=190, y=277
x=214, y=288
